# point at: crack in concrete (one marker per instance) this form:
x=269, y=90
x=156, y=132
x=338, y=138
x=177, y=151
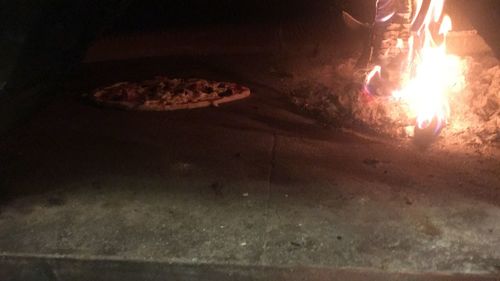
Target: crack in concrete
x=272, y=165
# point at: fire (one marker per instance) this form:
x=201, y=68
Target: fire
x=432, y=75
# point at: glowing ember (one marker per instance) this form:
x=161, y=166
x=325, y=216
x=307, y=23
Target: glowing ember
x=432, y=75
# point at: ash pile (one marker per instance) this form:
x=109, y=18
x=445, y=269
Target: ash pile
x=341, y=101
x=475, y=117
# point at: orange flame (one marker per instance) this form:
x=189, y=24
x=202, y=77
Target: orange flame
x=434, y=75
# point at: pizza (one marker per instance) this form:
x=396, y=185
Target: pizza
x=164, y=94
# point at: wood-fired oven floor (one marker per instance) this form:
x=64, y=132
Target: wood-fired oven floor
x=235, y=192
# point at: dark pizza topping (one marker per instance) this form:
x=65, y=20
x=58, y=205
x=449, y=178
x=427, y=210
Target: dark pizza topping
x=117, y=94
x=192, y=87
x=208, y=90
x=226, y=93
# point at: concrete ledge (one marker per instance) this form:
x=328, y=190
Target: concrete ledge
x=38, y=268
